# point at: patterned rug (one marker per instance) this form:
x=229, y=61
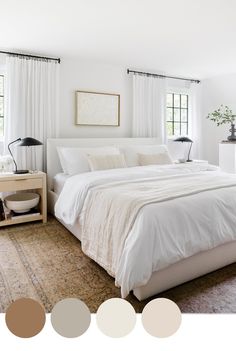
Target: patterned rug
x=45, y=262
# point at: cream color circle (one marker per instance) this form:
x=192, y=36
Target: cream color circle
x=116, y=317
x=161, y=317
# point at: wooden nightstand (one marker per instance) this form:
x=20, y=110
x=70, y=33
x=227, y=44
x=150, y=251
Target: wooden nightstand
x=10, y=182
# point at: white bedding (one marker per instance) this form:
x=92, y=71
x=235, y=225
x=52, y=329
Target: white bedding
x=164, y=232
x=59, y=182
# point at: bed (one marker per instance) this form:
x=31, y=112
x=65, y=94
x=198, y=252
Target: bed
x=198, y=224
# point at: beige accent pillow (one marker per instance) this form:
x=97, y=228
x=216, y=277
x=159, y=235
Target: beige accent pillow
x=100, y=162
x=131, y=152
x=155, y=159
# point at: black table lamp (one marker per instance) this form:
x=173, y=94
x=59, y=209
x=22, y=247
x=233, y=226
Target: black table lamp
x=23, y=142
x=186, y=140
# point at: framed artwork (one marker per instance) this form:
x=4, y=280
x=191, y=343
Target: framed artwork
x=97, y=109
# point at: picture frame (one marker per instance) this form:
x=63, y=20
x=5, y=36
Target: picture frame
x=97, y=109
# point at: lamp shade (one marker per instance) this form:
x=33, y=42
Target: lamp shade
x=28, y=141
x=184, y=140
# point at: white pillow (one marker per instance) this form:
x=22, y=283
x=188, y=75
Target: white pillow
x=74, y=160
x=162, y=158
x=99, y=162
x=131, y=152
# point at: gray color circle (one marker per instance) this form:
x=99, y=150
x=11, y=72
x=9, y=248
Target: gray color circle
x=70, y=317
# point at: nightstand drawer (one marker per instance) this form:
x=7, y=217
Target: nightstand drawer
x=21, y=184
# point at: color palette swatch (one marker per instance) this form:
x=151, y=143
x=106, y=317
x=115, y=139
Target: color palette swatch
x=25, y=318
x=161, y=318
x=71, y=318
x=116, y=318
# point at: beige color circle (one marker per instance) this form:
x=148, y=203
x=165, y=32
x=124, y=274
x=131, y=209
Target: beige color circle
x=116, y=317
x=161, y=317
x=70, y=317
x=25, y=317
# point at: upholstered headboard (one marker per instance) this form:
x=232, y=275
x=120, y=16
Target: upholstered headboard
x=53, y=163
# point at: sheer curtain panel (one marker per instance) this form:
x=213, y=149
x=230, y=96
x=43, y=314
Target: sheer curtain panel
x=32, y=107
x=149, y=96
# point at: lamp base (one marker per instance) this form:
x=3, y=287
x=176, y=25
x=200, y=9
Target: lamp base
x=189, y=161
x=21, y=171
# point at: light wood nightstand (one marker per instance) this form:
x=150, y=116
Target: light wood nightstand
x=10, y=182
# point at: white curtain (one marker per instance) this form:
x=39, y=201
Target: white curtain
x=195, y=115
x=149, y=96
x=32, y=107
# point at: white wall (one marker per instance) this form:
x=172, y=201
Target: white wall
x=91, y=76
x=216, y=91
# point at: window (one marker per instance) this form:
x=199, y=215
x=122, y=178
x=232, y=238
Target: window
x=176, y=114
x=1, y=105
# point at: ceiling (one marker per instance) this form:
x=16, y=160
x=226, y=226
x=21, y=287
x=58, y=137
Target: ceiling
x=194, y=38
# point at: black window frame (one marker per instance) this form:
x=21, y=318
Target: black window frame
x=2, y=117
x=180, y=108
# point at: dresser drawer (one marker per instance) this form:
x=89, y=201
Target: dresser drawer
x=21, y=184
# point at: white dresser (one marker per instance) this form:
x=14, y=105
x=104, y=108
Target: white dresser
x=227, y=157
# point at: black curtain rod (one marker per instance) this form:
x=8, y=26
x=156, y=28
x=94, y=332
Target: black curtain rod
x=163, y=76
x=32, y=56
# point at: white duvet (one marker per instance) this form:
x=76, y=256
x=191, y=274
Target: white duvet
x=163, y=232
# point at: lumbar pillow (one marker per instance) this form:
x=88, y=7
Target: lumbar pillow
x=131, y=152
x=154, y=159
x=74, y=160
x=99, y=162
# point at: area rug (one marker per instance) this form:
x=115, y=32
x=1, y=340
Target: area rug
x=45, y=262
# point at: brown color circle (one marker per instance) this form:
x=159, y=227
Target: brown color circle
x=25, y=318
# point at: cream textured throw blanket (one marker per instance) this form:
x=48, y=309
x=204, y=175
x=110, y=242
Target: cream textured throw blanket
x=110, y=210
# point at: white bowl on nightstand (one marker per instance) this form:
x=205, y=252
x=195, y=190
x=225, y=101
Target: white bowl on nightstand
x=22, y=202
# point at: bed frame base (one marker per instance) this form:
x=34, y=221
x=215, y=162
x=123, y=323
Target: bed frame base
x=188, y=269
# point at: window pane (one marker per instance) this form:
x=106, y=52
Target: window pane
x=169, y=129
x=184, y=130
x=176, y=114
x=169, y=100
x=184, y=115
x=1, y=127
x=1, y=85
x=177, y=129
x=184, y=101
x=169, y=114
x=176, y=100
x=1, y=106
